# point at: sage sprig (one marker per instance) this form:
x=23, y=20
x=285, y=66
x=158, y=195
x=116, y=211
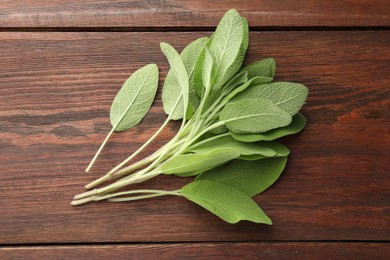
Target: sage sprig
x=231, y=116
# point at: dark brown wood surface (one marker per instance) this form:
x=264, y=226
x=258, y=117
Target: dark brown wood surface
x=204, y=251
x=56, y=88
x=203, y=13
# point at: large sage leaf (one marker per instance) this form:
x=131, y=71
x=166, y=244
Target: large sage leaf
x=228, y=203
x=288, y=96
x=253, y=116
x=230, y=143
x=225, y=44
x=297, y=124
x=262, y=68
x=198, y=162
x=175, y=99
x=134, y=98
x=250, y=177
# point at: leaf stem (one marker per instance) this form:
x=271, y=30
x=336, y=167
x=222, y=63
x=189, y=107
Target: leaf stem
x=100, y=149
x=141, y=148
x=150, y=193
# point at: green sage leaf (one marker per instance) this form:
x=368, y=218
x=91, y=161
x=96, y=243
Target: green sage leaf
x=134, y=98
x=230, y=143
x=297, y=124
x=226, y=202
x=225, y=44
x=253, y=116
x=262, y=68
x=175, y=99
x=208, y=74
x=288, y=96
x=198, y=162
x=235, y=67
x=278, y=148
x=250, y=177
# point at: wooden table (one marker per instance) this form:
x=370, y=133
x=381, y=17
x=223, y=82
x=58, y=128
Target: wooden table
x=61, y=64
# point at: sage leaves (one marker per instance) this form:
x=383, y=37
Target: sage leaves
x=226, y=202
x=132, y=102
x=232, y=116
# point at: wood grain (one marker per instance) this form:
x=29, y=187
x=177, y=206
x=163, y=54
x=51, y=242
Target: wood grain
x=56, y=90
x=203, y=13
x=204, y=251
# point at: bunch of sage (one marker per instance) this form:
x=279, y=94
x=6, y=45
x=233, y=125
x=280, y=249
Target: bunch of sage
x=230, y=117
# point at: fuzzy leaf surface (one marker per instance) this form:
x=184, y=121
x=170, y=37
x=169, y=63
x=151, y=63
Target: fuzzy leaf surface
x=175, y=99
x=253, y=116
x=226, y=202
x=262, y=68
x=288, y=96
x=134, y=99
x=225, y=43
x=250, y=177
x=297, y=124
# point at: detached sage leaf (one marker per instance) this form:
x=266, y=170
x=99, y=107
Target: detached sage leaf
x=253, y=116
x=250, y=177
x=175, y=99
x=131, y=103
x=288, y=96
x=198, y=162
x=228, y=203
x=134, y=98
x=297, y=124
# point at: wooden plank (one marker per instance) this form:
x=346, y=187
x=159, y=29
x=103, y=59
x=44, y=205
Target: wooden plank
x=56, y=90
x=205, y=251
x=169, y=13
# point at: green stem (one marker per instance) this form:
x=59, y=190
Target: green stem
x=208, y=140
x=121, y=172
x=142, y=147
x=117, y=185
x=99, y=150
x=153, y=193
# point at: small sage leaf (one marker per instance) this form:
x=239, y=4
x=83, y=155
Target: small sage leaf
x=253, y=116
x=134, y=98
x=297, y=124
x=250, y=177
x=228, y=203
x=208, y=70
x=175, y=99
